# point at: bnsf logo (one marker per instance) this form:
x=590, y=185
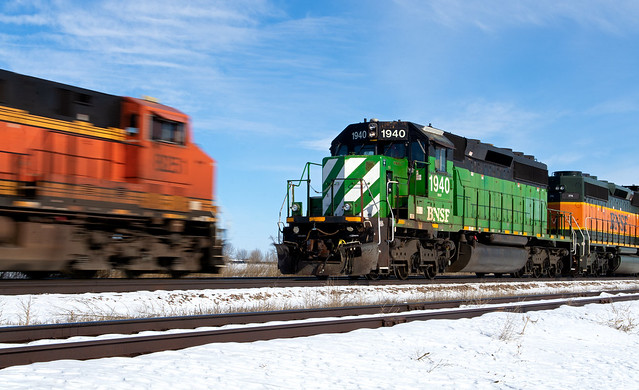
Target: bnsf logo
x=164, y=163
x=618, y=222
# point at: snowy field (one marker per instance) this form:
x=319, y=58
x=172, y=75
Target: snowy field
x=595, y=346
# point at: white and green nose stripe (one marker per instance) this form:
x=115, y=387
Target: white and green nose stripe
x=340, y=177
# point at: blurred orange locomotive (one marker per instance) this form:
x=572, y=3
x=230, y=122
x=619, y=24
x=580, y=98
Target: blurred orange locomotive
x=92, y=182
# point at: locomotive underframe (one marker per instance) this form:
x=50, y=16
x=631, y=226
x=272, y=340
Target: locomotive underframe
x=329, y=249
x=41, y=241
x=356, y=249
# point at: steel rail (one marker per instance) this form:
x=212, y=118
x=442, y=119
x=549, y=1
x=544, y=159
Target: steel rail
x=78, y=286
x=137, y=345
x=24, y=334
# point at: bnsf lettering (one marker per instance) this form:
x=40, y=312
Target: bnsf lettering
x=164, y=163
x=618, y=222
x=437, y=214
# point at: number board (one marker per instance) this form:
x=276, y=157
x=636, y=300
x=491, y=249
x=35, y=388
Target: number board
x=392, y=134
x=359, y=134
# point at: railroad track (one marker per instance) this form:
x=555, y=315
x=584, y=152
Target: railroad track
x=78, y=286
x=378, y=316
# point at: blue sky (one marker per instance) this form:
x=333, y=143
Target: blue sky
x=268, y=84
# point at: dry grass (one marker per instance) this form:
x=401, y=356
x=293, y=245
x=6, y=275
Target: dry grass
x=511, y=331
x=621, y=319
x=251, y=270
x=199, y=303
x=427, y=359
x=90, y=311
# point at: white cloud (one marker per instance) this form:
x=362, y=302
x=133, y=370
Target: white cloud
x=321, y=145
x=613, y=17
x=484, y=120
x=617, y=106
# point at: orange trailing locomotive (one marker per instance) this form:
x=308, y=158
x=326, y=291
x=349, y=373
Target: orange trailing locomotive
x=94, y=182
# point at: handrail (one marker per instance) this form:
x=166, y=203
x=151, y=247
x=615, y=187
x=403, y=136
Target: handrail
x=291, y=186
x=607, y=233
x=379, y=224
x=583, y=242
x=391, y=210
x=290, y=197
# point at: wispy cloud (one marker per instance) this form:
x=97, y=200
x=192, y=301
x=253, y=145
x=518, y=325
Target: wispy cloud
x=214, y=50
x=321, y=145
x=618, y=106
x=486, y=120
x=618, y=17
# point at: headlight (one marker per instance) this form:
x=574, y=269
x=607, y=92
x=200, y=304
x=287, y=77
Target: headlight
x=372, y=130
x=347, y=207
x=296, y=209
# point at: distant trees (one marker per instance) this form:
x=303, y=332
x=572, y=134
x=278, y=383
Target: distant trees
x=255, y=256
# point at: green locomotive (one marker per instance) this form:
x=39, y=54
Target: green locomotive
x=405, y=199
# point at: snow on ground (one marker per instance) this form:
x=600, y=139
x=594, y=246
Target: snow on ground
x=596, y=346
x=58, y=308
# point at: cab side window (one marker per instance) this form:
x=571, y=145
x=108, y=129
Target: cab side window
x=440, y=159
x=167, y=131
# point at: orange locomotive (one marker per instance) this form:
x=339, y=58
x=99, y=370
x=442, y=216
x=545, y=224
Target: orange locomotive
x=604, y=220
x=92, y=182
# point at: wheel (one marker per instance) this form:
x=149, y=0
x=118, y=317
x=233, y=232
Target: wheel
x=178, y=274
x=536, y=272
x=132, y=274
x=373, y=275
x=84, y=274
x=519, y=274
x=38, y=274
x=430, y=272
x=401, y=271
x=555, y=271
x=560, y=269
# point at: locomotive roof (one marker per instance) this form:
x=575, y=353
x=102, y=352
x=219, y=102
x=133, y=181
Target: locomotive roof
x=59, y=101
x=468, y=153
x=464, y=147
x=413, y=131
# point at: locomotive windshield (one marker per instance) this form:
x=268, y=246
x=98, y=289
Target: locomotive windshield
x=393, y=139
x=396, y=150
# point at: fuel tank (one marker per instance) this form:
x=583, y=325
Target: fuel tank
x=482, y=258
x=629, y=265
